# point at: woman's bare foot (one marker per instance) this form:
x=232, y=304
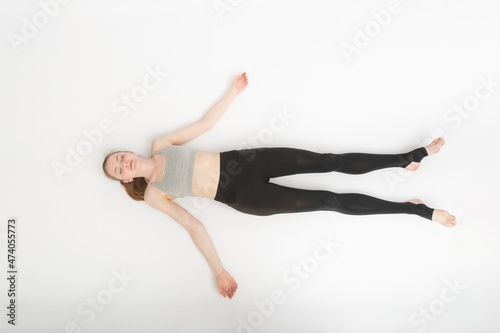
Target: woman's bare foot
x=440, y=216
x=432, y=148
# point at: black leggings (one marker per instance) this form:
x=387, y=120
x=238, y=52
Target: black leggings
x=244, y=181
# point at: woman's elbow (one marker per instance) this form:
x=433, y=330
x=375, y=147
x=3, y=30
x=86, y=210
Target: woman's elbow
x=193, y=224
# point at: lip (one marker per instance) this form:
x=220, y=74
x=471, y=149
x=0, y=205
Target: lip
x=131, y=164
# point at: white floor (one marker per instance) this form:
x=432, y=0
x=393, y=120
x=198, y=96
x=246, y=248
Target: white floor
x=363, y=76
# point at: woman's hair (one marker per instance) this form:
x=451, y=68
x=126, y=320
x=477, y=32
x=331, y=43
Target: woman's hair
x=135, y=189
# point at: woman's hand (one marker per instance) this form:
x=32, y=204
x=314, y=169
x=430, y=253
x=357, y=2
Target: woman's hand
x=240, y=83
x=226, y=284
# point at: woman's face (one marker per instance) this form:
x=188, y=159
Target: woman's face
x=122, y=165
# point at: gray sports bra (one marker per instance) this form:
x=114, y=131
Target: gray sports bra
x=179, y=166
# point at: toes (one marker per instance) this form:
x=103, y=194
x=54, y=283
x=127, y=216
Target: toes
x=450, y=222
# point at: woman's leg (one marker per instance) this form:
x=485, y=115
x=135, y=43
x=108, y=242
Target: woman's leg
x=355, y=163
x=356, y=204
x=268, y=199
x=249, y=190
x=272, y=162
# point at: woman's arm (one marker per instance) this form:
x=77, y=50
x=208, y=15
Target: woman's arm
x=194, y=130
x=155, y=198
x=214, y=114
x=225, y=282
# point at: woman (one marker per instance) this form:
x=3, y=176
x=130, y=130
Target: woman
x=240, y=179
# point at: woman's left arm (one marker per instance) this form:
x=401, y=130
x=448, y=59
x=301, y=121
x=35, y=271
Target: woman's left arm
x=214, y=114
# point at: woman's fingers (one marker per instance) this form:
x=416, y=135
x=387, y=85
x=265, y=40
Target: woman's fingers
x=231, y=292
x=234, y=286
x=227, y=292
x=228, y=287
x=242, y=80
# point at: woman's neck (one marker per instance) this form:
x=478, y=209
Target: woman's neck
x=151, y=168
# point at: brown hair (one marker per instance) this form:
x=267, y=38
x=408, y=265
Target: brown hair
x=135, y=189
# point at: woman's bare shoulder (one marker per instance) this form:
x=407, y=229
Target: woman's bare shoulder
x=157, y=145
x=153, y=193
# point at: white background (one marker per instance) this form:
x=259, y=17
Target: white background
x=396, y=94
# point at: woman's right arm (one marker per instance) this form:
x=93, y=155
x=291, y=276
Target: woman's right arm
x=225, y=282
x=194, y=130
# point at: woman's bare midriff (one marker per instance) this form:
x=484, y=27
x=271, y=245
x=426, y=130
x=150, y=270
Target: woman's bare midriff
x=206, y=174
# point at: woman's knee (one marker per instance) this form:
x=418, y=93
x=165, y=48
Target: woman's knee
x=330, y=200
x=312, y=162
